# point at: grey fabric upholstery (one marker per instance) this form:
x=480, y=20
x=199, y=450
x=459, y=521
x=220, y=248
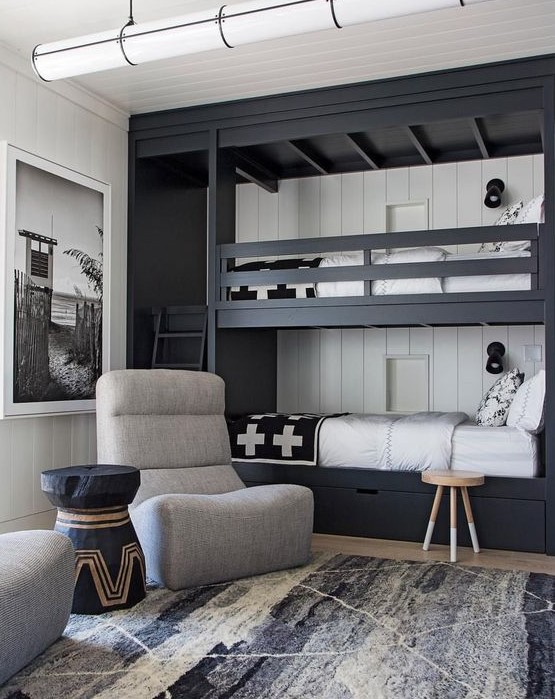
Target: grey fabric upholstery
x=195, y=519
x=161, y=418
x=36, y=593
x=204, y=480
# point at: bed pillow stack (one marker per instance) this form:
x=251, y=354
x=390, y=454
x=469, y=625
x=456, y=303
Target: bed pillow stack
x=516, y=213
x=507, y=218
x=526, y=411
x=494, y=406
x=381, y=287
x=532, y=212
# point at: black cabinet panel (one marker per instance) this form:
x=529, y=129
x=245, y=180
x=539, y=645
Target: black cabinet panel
x=501, y=523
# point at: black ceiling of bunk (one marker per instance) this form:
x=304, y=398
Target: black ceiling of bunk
x=378, y=148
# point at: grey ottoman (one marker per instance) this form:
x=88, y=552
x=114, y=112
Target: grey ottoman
x=36, y=592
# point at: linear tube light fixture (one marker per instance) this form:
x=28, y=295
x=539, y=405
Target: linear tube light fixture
x=225, y=26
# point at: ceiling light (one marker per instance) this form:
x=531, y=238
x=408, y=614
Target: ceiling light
x=225, y=26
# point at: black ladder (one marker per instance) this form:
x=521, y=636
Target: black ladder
x=179, y=337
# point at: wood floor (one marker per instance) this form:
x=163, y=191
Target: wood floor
x=408, y=550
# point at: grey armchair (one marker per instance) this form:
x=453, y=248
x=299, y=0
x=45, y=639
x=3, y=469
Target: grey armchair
x=195, y=519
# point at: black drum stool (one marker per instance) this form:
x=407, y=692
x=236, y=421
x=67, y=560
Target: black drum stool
x=92, y=511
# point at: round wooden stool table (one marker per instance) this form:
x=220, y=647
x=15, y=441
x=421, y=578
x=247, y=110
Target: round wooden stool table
x=92, y=511
x=452, y=480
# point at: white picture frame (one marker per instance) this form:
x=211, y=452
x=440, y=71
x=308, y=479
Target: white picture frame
x=54, y=255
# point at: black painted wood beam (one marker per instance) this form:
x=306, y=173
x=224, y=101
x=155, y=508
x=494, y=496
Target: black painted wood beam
x=479, y=137
x=307, y=153
x=255, y=172
x=193, y=180
x=416, y=141
x=357, y=143
x=542, y=131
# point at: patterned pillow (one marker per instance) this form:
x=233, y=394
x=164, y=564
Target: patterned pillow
x=494, y=406
x=510, y=215
x=507, y=218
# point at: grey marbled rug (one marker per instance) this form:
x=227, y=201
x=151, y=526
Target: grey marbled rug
x=342, y=627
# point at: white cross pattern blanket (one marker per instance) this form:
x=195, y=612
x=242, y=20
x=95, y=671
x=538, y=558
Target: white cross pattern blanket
x=276, y=438
x=415, y=442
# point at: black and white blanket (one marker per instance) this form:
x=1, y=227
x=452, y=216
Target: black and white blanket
x=276, y=291
x=276, y=438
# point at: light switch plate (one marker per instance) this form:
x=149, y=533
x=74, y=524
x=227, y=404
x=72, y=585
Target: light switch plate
x=532, y=353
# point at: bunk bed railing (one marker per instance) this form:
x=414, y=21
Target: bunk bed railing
x=379, y=241
x=228, y=254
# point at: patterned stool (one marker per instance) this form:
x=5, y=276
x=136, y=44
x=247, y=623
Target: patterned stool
x=453, y=480
x=92, y=511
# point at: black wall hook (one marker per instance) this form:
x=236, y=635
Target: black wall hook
x=494, y=189
x=495, y=351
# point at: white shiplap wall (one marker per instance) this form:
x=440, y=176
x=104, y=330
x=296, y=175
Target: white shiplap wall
x=71, y=128
x=342, y=370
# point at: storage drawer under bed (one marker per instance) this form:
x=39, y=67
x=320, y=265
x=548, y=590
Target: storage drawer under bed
x=501, y=523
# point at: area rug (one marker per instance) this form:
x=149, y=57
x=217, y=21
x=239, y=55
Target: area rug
x=341, y=627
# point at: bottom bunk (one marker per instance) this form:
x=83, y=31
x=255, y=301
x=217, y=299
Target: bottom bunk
x=509, y=512
x=364, y=470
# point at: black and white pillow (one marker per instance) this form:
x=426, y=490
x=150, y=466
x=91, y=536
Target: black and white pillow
x=494, y=406
x=507, y=218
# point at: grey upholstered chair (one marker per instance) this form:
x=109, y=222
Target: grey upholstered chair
x=36, y=592
x=196, y=520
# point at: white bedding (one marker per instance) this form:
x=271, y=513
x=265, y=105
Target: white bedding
x=496, y=451
x=485, y=282
x=353, y=441
x=429, y=285
x=389, y=442
x=383, y=287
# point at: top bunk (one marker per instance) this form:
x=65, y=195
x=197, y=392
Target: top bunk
x=272, y=165
x=400, y=278
x=404, y=258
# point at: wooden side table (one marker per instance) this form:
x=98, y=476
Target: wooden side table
x=92, y=511
x=452, y=480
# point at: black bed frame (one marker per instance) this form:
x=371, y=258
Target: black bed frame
x=176, y=257
x=432, y=309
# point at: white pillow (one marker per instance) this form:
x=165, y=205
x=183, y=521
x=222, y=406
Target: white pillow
x=423, y=254
x=381, y=287
x=526, y=411
x=532, y=212
x=513, y=245
x=494, y=406
x=341, y=288
x=422, y=285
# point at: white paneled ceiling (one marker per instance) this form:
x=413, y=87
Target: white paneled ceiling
x=480, y=33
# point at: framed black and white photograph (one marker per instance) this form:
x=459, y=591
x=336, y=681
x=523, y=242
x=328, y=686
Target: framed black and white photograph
x=55, y=237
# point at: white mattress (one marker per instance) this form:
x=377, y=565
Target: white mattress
x=496, y=451
x=485, y=282
x=345, y=442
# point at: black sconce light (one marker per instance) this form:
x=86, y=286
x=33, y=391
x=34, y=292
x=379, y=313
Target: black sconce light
x=495, y=351
x=494, y=189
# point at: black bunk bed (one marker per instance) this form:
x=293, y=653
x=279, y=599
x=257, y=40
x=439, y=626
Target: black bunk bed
x=177, y=158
